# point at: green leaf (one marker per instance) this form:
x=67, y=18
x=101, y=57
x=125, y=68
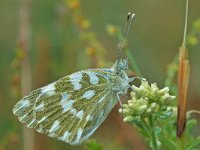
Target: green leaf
x=157, y=130
x=195, y=144
x=93, y=145
x=190, y=124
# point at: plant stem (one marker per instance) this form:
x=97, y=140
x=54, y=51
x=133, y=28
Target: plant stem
x=186, y=22
x=153, y=140
x=180, y=144
x=24, y=39
x=145, y=127
x=133, y=63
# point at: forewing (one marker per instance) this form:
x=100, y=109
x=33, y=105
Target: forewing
x=71, y=108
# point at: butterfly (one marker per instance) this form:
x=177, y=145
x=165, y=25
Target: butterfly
x=73, y=107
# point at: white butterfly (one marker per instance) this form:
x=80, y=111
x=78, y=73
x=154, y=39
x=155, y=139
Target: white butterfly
x=72, y=108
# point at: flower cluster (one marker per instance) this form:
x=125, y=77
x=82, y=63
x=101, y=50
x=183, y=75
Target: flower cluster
x=147, y=100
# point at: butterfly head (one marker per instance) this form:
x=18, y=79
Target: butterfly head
x=120, y=65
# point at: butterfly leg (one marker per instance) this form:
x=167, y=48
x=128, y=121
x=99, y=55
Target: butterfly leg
x=135, y=91
x=130, y=79
x=120, y=102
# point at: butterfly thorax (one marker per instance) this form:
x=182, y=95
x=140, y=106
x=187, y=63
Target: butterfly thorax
x=120, y=80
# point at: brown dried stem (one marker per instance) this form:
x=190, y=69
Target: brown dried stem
x=183, y=79
x=24, y=42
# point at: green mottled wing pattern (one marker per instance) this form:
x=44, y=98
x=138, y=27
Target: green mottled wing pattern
x=71, y=108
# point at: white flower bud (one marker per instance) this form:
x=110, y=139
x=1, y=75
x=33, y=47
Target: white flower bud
x=128, y=119
x=143, y=107
x=124, y=106
x=129, y=101
x=158, y=143
x=141, y=88
x=154, y=87
x=169, y=108
x=165, y=97
x=149, y=110
x=164, y=90
x=126, y=111
x=132, y=94
x=153, y=105
x=171, y=97
x=174, y=110
x=130, y=104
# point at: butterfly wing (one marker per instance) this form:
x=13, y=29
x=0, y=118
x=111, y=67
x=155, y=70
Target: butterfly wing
x=70, y=109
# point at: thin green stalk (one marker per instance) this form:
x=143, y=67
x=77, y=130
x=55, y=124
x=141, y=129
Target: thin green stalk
x=145, y=127
x=186, y=21
x=180, y=144
x=153, y=139
x=133, y=63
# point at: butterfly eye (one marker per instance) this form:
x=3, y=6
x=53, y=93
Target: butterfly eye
x=122, y=66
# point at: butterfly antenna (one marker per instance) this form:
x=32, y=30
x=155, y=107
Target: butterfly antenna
x=129, y=20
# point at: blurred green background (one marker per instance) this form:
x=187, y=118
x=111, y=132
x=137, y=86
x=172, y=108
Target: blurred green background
x=65, y=36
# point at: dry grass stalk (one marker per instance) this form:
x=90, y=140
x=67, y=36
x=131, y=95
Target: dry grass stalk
x=24, y=40
x=183, y=78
